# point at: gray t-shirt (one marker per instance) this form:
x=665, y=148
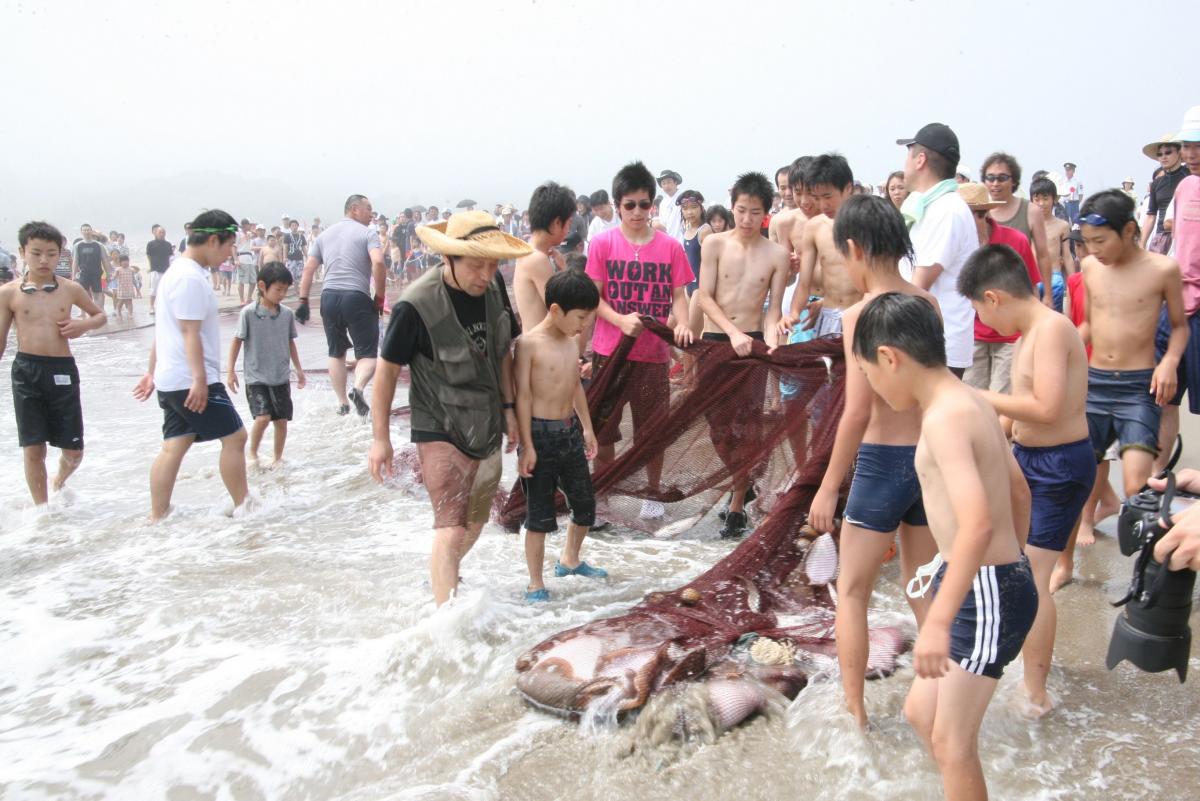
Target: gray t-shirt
x=344, y=248
x=267, y=342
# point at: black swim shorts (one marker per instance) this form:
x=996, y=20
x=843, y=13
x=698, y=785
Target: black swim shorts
x=266, y=400
x=45, y=393
x=347, y=311
x=561, y=465
x=219, y=419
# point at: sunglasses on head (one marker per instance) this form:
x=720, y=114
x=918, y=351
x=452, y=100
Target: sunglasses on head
x=689, y=202
x=1094, y=219
x=997, y=178
x=29, y=288
x=630, y=205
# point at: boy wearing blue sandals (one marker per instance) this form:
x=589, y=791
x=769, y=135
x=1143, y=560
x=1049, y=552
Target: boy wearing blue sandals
x=556, y=429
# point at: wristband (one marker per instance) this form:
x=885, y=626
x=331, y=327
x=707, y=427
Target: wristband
x=508, y=406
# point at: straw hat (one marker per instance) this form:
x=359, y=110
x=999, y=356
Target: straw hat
x=1151, y=150
x=472, y=233
x=977, y=196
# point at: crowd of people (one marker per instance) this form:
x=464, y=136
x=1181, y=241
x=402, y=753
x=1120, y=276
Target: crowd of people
x=999, y=359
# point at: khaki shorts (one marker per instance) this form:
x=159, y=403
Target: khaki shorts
x=991, y=367
x=461, y=488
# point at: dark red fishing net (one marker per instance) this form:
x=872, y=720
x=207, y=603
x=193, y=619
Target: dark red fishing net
x=769, y=417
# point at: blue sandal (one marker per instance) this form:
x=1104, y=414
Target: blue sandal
x=583, y=569
x=537, y=596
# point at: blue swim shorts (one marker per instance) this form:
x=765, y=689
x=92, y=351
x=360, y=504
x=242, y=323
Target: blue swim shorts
x=885, y=491
x=1188, y=372
x=994, y=618
x=1120, y=407
x=1060, y=479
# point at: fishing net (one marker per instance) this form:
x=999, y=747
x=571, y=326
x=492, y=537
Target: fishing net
x=769, y=418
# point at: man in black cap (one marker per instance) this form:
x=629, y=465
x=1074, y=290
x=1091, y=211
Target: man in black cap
x=943, y=234
x=669, y=214
x=1072, y=192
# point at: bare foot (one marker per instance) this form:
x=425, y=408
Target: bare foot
x=159, y=518
x=860, y=717
x=1087, y=533
x=1109, y=505
x=1061, y=577
x=1032, y=706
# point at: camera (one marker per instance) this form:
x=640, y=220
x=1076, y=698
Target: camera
x=1152, y=631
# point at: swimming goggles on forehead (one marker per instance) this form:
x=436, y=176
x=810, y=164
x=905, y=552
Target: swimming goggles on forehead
x=29, y=288
x=1094, y=219
x=228, y=229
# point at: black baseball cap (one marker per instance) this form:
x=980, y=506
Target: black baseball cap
x=937, y=137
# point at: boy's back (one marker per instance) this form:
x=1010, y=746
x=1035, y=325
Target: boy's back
x=963, y=453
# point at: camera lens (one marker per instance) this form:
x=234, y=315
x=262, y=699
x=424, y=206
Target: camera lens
x=1153, y=632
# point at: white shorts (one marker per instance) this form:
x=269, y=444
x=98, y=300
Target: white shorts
x=155, y=277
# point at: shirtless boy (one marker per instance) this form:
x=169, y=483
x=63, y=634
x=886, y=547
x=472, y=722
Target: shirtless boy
x=1049, y=428
x=550, y=211
x=779, y=229
x=271, y=251
x=45, y=382
x=739, y=272
x=1125, y=290
x=556, y=429
x=1044, y=195
x=967, y=475
x=885, y=495
x=830, y=182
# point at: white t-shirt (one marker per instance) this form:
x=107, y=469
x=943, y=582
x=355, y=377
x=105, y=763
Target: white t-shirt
x=185, y=293
x=599, y=226
x=946, y=235
x=671, y=216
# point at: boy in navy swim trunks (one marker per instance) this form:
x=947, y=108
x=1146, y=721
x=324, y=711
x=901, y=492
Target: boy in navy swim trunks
x=984, y=598
x=1049, y=428
x=885, y=495
x=556, y=428
x=1126, y=289
x=45, y=382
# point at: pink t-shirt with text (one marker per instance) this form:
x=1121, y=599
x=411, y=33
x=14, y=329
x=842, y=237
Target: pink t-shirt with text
x=1187, y=240
x=639, y=279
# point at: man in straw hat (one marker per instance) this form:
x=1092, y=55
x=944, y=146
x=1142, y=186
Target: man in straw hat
x=1156, y=231
x=1184, y=216
x=453, y=327
x=991, y=364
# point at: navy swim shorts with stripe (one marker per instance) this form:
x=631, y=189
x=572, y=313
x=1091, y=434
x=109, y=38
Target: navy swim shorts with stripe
x=996, y=614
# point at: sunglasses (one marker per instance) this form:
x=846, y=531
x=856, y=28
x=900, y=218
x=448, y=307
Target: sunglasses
x=29, y=289
x=997, y=178
x=1094, y=219
x=630, y=205
x=1167, y=151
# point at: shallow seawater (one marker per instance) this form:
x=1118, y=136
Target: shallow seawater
x=292, y=652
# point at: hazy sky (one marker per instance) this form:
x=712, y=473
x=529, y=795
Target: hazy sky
x=124, y=113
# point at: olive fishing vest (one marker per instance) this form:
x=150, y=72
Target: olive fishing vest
x=457, y=392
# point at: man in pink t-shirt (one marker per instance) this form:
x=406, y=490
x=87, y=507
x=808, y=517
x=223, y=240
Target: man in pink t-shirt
x=1184, y=213
x=639, y=271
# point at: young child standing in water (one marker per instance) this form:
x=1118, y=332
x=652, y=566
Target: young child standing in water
x=556, y=428
x=45, y=381
x=984, y=600
x=269, y=331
